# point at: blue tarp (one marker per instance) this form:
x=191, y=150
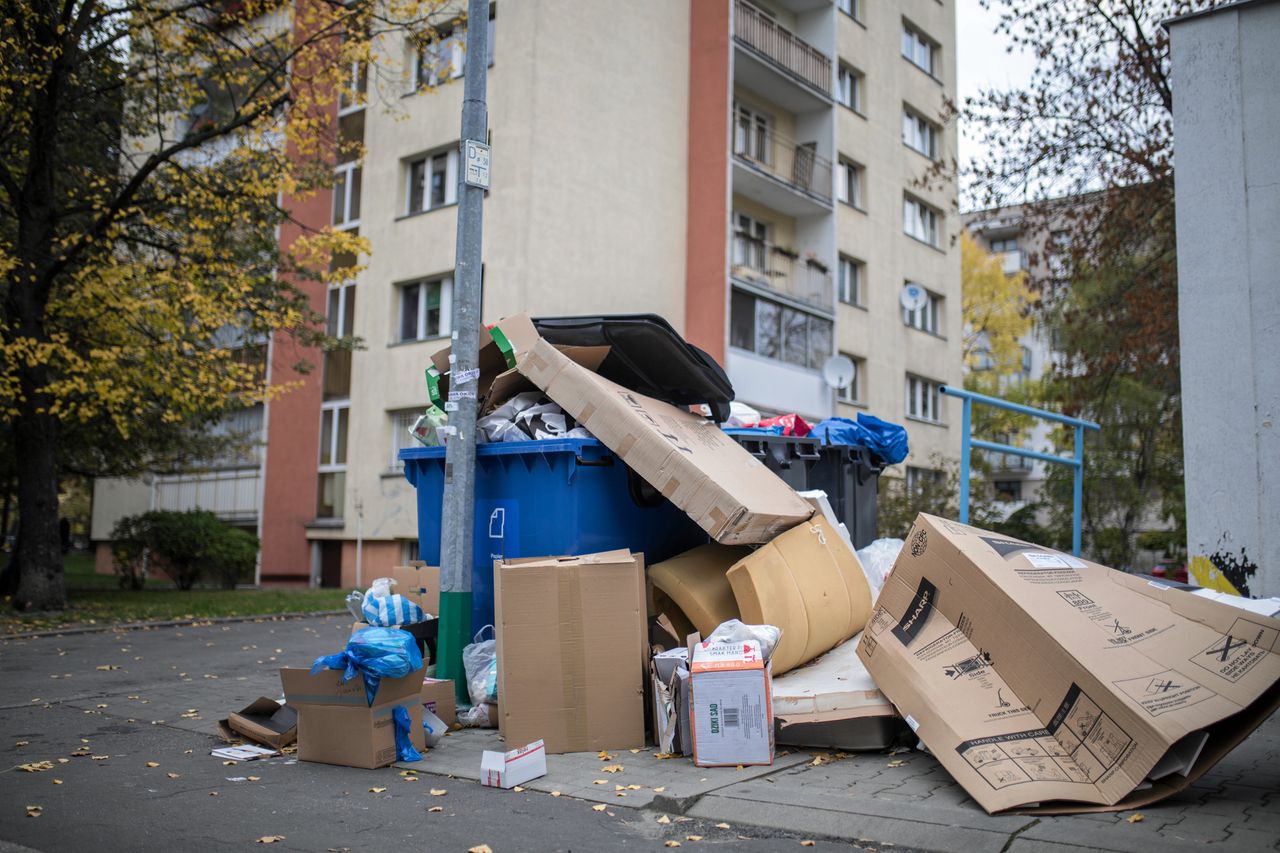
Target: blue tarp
x=884, y=439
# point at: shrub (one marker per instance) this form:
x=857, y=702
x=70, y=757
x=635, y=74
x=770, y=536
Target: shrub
x=188, y=545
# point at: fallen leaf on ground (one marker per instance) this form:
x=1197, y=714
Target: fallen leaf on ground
x=518, y=789
x=480, y=848
x=99, y=757
x=612, y=768
x=57, y=781
x=660, y=789
x=600, y=782
x=36, y=766
x=806, y=843
x=22, y=743
x=376, y=790
x=619, y=787
x=664, y=819
x=408, y=772
x=604, y=756
x=172, y=775
x=662, y=756
x=229, y=763
x=259, y=778
x=270, y=839
x=101, y=706
x=64, y=760
x=722, y=826
x=106, y=667
x=436, y=809
x=555, y=793
x=634, y=751
x=897, y=762
x=671, y=843
x=34, y=811
x=213, y=793
x=693, y=838
x=739, y=767
x=598, y=808
x=438, y=792
x=1135, y=818
x=409, y=779
x=153, y=763
x=621, y=794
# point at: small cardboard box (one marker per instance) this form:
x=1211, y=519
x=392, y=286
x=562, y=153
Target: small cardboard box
x=1042, y=680
x=572, y=650
x=263, y=721
x=508, y=769
x=732, y=705
x=420, y=584
x=439, y=698
x=336, y=725
x=687, y=458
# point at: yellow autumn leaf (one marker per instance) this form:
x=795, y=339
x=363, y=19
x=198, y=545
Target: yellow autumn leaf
x=660, y=789
x=555, y=793
x=806, y=843
x=153, y=763
x=480, y=848
x=604, y=756
x=259, y=778
x=57, y=781
x=36, y=766
x=722, y=826
x=438, y=792
x=693, y=838
x=1136, y=817
x=664, y=819
x=671, y=843
x=436, y=809
x=376, y=790
x=172, y=775
x=518, y=789
x=600, y=782
x=612, y=768
x=598, y=808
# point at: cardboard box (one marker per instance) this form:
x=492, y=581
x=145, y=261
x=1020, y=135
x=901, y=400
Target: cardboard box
x=263, y=721
x=732, y=710
x=1039, y=679
x=687, y=458
x=419, y=583
x=439, y=698
x=669, y=671
x=336, y=725
x=572, y=650
x=508, y=769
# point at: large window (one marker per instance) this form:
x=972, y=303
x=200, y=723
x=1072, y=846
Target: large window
x=442, y=57
x=849, y=88
x=919, y=134
x=855, y=391
x=346, y=195
x=779, y=332
x=926, y=317
x=401, y=438
x=425, y=308
x=850, y=273
x=332, y=469
x=849, y=183
x=922, y=399
x=919, y=220
x=918, y=49
x=431, y=181
x=339, y=323
x=752, y=134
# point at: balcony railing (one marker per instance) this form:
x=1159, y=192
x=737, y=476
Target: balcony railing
x=798, y=166
x=757, y=30
x=781, y=271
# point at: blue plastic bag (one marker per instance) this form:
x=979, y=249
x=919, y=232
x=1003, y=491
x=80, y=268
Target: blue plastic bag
x=375, y=653
x=884, y=439
x=405, y=750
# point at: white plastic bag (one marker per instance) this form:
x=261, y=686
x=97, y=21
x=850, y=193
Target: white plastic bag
x=480, y=660
x=877, y=560
x=735, y=631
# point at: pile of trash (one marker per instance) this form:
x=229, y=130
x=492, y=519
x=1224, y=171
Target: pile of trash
x=1039, y=680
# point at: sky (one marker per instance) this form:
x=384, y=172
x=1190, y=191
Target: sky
x=983, y=62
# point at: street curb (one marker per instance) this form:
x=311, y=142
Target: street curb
x=167, y=623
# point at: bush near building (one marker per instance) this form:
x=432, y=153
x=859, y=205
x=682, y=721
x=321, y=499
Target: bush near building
x=189, y=547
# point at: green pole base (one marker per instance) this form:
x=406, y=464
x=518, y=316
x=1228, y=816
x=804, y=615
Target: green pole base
x=454, y=634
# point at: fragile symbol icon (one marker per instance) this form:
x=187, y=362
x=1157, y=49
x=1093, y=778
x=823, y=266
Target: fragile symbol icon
x=1229, y=645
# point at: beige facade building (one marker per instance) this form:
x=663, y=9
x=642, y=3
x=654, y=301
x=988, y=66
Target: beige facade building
x=749, y=169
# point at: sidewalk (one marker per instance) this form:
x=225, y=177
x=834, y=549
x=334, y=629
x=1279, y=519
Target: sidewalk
x=155, y=695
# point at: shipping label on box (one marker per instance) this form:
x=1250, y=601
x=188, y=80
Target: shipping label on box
x=508, y=769
x=1036, y=677
x=732, y=712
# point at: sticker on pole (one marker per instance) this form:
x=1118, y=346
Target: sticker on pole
x=476, y=157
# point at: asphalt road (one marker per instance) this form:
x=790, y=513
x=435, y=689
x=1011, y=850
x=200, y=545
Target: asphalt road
x=101, y=708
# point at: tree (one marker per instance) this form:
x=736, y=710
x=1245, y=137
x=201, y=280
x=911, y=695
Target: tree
x=1087, y=144
x=148, y=154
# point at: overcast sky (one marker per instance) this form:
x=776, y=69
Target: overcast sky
x=983, y=62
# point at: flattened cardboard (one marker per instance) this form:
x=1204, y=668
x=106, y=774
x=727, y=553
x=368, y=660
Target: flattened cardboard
x=263, y=721
x=439, y=698
x=571, y=650
x=1048, y=683
x=731, y=705
x=688, y=459
x=336, y=725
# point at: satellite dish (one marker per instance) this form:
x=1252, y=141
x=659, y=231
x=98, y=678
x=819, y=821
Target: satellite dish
x=913, y=296
x=838, y=371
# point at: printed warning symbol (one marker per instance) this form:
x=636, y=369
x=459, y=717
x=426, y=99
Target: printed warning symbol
x=1120, y=630
x=1162, y=685
x=1163, y=692
x=1223, y=651
x=1229, y=657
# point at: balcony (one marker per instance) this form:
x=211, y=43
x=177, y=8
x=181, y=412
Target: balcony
x=232, y=495
x=780, y=271
x=783, y=50
x=772, y=169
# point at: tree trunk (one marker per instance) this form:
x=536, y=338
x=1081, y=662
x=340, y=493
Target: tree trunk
x=41, y=585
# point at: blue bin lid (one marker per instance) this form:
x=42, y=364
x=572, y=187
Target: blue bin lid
x=503, y=448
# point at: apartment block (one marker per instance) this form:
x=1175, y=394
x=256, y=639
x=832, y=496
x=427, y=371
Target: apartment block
x=749, y=169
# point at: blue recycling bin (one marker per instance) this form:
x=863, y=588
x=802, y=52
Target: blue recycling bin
x=559, y=497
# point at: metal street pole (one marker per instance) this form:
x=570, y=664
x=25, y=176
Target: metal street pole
x=458, y=524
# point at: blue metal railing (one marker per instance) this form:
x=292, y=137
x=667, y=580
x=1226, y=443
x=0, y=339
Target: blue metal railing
x=968, y=442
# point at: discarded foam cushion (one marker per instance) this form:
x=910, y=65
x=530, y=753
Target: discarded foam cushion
x=696, y=582
x=808, y=583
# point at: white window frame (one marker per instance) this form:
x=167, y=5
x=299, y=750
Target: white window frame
x=918, y=49
x=330, y=410
x=340, y=325
x=854, y=393
x=852, y=8
x=454, y=45
x=849, y=87
x=751, y=244
x=357, y=81
x=446, y=308
x=849, y=280
x=923, y=401
x=754, y=141
x=920, y=220
x=849, y=183
x=402, y=422
x=919, y=133
x=344, y=197
x=927, y=318
x=450, y=180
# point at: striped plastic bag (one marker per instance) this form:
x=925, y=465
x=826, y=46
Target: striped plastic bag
x=385, y=609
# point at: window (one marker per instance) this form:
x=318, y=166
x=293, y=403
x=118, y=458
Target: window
x=355, y=87
x=918, y=49
x=339, y=323
x=779, y=332
x=852, y=8
x=854, y=392
x=922, y=399
x=750, y=243
x=431, y=181
x=849, y=274
x=425, y=309
x=919, y=134
x=925, y=318
x=401, y=438
x=442, y=57
x=849, y=183
x=1006, y=244
x=1008, y=490
x=919, y=220
x=922, y=479
x=849, y=88
x=333, y=460
x=346, y=195
x=752, y=134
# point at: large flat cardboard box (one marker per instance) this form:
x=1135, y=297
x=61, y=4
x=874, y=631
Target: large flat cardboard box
x=730, y=705
x=336, y=725
x=727, y=491
x=572, y=650
x=1044, y=682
